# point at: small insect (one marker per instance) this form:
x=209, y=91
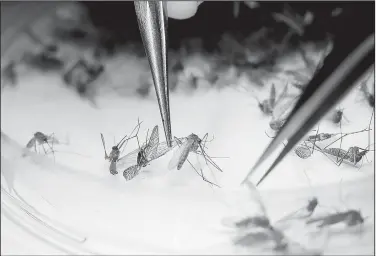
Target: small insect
x=148, y=152
x=306, y=211
x=320, y=137
x=114, y=155
x=45, y=59
x=337, y=116
x=41, y=139
x=82, y=74
x=267, y=106
x=257, y=221
x=353, y=155
x=9, y=74
x=293, y=20
x=370, y=97
x=192, y=143
x=350, y=218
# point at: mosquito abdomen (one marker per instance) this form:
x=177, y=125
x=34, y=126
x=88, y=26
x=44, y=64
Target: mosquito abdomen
x=113, y=170
x=183, y=158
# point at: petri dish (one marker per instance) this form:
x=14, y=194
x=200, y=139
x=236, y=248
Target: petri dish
x=65, y=200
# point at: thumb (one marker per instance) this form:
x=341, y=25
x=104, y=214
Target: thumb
x=182, y=9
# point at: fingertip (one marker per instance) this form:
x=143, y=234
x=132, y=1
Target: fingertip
x=182, y=9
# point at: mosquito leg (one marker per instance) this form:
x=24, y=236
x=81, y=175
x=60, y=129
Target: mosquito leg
x=178, y=141
x=202, y=150
x=104, y=147
x=340, y=144
x=204, y=139
x=134, y=136
x=52, y=151
x=45, y=152
x=317, y=132
x=208, y=159
x=202, y=174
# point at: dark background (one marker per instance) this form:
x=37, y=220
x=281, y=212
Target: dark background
x=216, y=17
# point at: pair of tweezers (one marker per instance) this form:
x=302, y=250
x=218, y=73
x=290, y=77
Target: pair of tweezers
x=342, y=69
x=152, y=21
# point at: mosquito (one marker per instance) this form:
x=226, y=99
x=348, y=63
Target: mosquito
x=146, y=153
x=41, y=139
x=45, y=59
x=352, y=156
x=114, y=155
x=369, y=97
x=82, y=74
x=9, y=74
x=192, y=143
x=306, y=211
x=256, y=221
x=349, y=217
x=337, y=116
x=318, y=137
x=267, y=105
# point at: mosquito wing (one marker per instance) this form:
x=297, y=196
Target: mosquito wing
x=161, y=150
x=179, y=152
x=152, y=145
x=31, y=143
x=127, y=160
x=131, y=172
x=303, y=152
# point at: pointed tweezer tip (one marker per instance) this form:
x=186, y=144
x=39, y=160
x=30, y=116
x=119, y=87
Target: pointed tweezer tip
x=152, y=23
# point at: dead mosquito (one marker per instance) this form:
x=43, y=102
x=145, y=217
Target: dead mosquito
x=146, y=153
x=192, y=143
x=369, y=97
x=44, y=59
x=9, y=74
x=352, y=156
x=303, y=212
x=114, y=155
x=350, y=218
x=41, y=139
x=82, y=74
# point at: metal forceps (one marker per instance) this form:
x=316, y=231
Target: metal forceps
x=341, y=71
x=152, y=21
